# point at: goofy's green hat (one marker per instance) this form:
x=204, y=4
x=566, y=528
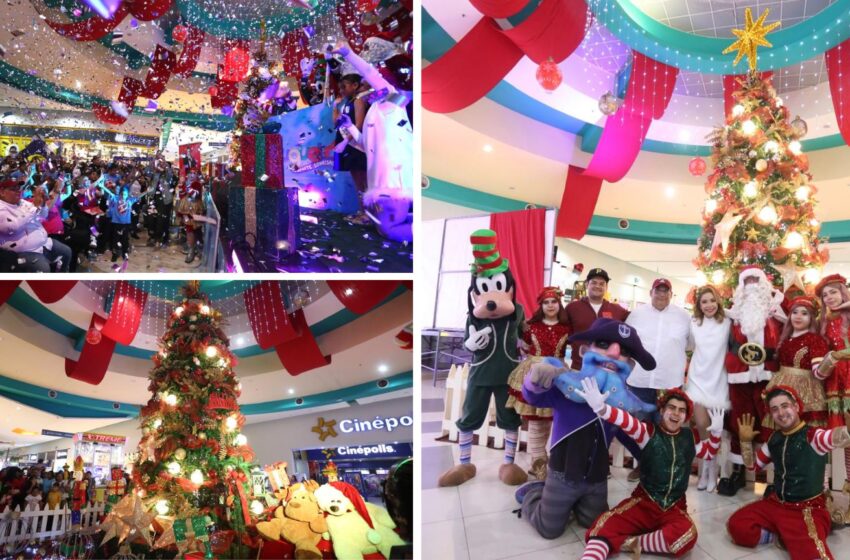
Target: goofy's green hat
x=488, y=261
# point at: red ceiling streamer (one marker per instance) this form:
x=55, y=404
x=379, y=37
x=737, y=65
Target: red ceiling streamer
x=7, y=288
x=158, y=74
x=499, y=8
x=128, y=304
x=130, y=89
x=302, y=353
x=731, y=84
x=188, y=59
x=96, y=27
x=267, y=315
x=577, y=203
x=51, y=291
x=94, y=360
x=465, y=74
x=649, y=92
x=223, y=93
x=360, y=296
x=294, y=47
x=838, y=70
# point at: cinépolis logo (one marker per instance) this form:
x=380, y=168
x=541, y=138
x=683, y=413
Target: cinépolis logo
x=390, y=423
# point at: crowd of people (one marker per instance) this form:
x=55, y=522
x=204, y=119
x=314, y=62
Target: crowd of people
x=772, y=370
x=59, y=214
x=37, y=487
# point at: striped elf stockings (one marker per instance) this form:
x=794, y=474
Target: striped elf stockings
x=595, y=549
x=653, y=542
x=538, y=437
x=464, y=441
x=511, y=438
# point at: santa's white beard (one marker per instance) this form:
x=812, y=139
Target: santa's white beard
x=753, y=305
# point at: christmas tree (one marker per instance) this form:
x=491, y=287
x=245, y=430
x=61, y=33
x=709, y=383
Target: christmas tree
x=192, y=471
x=760, y=206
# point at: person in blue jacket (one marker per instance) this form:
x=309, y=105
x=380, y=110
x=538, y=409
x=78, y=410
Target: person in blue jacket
x=121, y=214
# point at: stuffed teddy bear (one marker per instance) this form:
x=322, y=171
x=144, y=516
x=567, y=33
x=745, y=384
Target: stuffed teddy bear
x=299, y=521
x=356, y=527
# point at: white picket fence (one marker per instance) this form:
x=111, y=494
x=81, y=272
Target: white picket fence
x=26, y=525
x=489, y=435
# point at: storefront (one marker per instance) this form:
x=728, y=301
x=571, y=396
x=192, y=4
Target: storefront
x=100, y=452
x=363, y=466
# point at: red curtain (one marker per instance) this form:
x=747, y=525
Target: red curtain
x=51, y=291
x=94, y=359
x=521, y=238
x=838, y=70
x=267, y=315
x=731, y=85
x=7, y=288
x=303, y=353
x=360, y=296
x=461, y=77
x=577, y=203
x=128, y=303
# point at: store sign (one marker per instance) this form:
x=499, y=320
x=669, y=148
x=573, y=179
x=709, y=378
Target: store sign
x=376, y=451
x=56, y=434
x=103, y=438
x=350, y=425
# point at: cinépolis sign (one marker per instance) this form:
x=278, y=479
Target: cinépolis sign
x=390, y=423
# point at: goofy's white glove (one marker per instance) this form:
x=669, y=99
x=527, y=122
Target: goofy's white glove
x=591, y=395
x=716, y=425
x=477, y=340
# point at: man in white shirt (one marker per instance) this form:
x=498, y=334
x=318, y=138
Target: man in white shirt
x=664, y=330
x=21, y=231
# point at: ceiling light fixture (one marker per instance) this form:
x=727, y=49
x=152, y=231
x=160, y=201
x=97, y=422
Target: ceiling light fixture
x=488, y=148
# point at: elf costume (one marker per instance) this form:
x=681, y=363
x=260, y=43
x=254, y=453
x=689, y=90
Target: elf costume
x=493, y=326
x=655, y=518
x=796, y=509
x=543, y=339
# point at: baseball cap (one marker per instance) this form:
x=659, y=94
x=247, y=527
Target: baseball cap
x=597, y=273
x=662, y=282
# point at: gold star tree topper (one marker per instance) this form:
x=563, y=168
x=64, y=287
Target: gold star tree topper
x=751, y=37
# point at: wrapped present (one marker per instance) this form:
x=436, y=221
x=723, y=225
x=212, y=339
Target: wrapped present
x=277, y=475
x=268, y=219
x=261, y=156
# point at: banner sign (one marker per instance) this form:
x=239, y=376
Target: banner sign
x=54, y=433
x=308, y=157
x=374, y=451
x=101, y=438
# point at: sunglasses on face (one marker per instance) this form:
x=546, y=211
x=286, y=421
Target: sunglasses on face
x=605, y=344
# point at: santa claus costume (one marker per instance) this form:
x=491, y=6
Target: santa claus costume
x=545, y=335
x=655, y=517
x=751, y=359
x=799, y=352
x=835, y=368
x=795, y=510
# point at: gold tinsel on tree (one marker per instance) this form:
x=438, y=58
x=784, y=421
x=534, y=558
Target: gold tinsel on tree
x=760, y=206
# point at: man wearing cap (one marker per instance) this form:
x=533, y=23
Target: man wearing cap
x=751, y=360
x=581, y=313
x=577, y=476
x=664, y=329
x=795, y=511
x=655, y=518
x=21, y=231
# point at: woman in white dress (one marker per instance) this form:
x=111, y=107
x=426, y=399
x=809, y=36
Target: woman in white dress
x=707, y=385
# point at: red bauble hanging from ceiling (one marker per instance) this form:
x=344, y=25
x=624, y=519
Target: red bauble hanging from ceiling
x=697, y=166
x=549, y=75
x=179, y=33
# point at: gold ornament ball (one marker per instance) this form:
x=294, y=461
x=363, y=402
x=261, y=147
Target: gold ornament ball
x=799, y=127
x=761, y=165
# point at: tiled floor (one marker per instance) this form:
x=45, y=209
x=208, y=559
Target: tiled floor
x=474, y=521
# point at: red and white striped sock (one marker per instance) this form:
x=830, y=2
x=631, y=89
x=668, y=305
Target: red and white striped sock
x=538, y=437
x=653, y=542
x=595, y=549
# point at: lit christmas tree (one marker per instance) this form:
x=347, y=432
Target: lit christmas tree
x=193, y=466
x=760, y=206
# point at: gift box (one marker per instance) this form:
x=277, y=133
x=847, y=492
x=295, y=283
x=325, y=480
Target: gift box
x=261, y=156
x=268, y=219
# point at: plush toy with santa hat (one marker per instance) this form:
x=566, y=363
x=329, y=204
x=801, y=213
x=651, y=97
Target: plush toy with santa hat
x=751, y=359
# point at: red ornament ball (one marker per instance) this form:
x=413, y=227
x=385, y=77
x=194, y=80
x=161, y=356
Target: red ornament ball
x=549, y=75
x=93, y=336
x=179, y=33
x=697, y=166
x=213, y=91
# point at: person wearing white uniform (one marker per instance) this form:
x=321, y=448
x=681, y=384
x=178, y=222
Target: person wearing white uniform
x=664, y=330
x=387, y=141
x=707, y=385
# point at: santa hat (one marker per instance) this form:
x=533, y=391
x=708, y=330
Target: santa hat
x=356, y=500
x=752, y=271
x=677, y=393
x=782, y=390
